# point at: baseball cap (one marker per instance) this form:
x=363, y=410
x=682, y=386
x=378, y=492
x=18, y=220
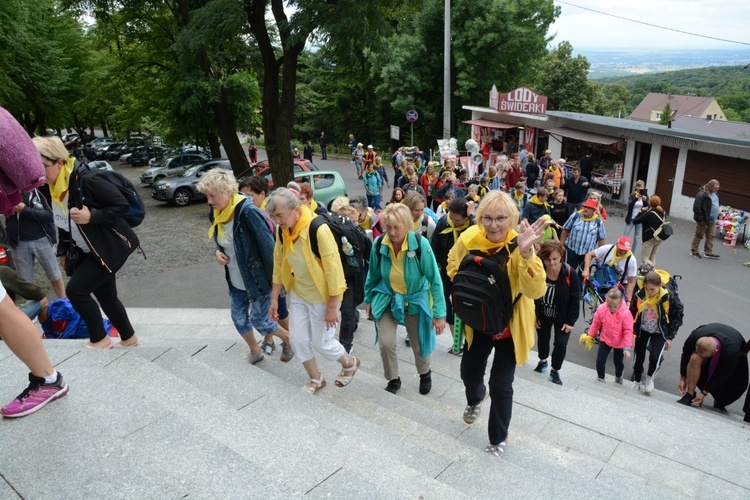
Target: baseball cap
x=624, y=243
x=369, y=146
x=590, y=204
x=359, y=144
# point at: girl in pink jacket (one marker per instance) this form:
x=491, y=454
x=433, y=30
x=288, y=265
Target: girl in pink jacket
x=614, y=322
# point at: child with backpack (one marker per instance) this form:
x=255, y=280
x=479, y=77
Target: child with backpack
x=614, y=324
x=373, y=184
x=658, y=315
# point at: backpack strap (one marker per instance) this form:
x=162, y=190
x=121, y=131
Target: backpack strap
x=314, y=226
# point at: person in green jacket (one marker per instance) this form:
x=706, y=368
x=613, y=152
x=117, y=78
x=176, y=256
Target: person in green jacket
x=404, y=287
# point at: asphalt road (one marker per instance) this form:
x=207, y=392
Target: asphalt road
x=713, y=291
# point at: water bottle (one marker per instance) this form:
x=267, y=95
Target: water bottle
x=348, y=250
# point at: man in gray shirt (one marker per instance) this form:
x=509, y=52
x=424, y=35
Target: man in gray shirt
x=705, y=213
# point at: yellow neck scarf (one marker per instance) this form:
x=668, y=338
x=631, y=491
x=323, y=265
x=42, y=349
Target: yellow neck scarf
x=291, y=235
x=60, y=187
x=313, y=206
x=519, y=198
x=652, y=302
x=490, y=177
x=616, y=257
x=593, y=217
x=224, y=216
x=417, y=223
x=455, y=230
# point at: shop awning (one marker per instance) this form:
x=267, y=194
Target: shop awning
x=583, y=136
x=491, y=124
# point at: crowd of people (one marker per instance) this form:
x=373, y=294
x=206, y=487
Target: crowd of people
x=289, y=274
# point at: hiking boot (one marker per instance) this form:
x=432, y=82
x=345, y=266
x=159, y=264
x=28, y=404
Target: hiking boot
x=35, y=396
x=267, y=347
x=711, y=256
x=254, y=358
x=554, y=376
x=695, y=254
x=541, y=366
x=648, y=384
x=286, y=353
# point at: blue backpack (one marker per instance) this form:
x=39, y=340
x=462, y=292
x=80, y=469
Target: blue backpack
x=137, y=210
x=63, y=322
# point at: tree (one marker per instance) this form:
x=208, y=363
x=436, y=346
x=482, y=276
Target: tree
x=666, y=114
x=565, y=81
x=613, y=100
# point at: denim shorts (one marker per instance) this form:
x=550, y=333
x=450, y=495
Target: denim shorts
x=247, y=314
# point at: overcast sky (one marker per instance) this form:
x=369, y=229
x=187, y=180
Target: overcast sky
x=584, y=29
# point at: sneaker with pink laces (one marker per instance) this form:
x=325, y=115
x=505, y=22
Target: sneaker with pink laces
x=35, y=396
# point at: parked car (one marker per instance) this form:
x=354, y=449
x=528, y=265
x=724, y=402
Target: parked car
x=181, y=189
x=100, y=142
x=168, y=166
x=262, y=168
x=143, y=154
x=326, y=185
x=114, y=151
x=124, y=158
x=6, y=259
x=100, y=165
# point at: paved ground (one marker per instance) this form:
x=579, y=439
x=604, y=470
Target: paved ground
x=713, y=291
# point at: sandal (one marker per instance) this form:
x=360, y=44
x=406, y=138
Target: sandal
x=319, y=384
x=471, y=412
x=343, y=379
x=497, y=450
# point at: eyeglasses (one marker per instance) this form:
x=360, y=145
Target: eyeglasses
x=487, y=220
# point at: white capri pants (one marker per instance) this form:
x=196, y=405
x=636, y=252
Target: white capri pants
x=308, y=332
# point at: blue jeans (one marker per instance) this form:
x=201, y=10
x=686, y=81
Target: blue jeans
x=247, y=314
x=636, y=237
x=373, y=201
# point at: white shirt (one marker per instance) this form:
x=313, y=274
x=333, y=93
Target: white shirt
x=61, y=221
x=632, y=270
x=227, y=243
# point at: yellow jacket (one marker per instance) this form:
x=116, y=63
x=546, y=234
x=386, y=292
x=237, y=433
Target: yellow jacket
x=526, y=276
x=327, y=272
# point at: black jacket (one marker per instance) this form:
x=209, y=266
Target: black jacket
x=567, y=297
x=442, y=243
x=730, y=357
x=108, y=235
x=631, y=203
x=31, y=215
x=702, y=207
x=650, y=221
x=669, y=322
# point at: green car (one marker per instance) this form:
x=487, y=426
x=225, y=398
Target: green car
x=326, y=185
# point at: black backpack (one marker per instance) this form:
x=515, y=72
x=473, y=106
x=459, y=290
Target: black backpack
x=340, y=227
x=481, y=293
x=137, y=211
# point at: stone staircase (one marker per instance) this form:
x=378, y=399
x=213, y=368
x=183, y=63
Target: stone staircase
x=185, y=416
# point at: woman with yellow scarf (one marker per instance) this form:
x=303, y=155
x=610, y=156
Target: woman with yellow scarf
x=314, y=282
x=244, y=247
x=94, y=241
x=497, y=220
x=657, y=319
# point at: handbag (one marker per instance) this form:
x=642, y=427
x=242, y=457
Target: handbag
x=664, y=231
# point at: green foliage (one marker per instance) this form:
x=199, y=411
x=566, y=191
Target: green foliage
x=565, y=81
x=666, y=114
x=612, y=100
x=730, y=85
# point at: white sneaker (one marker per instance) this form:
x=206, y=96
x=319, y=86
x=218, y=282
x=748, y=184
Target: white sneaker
x=636, y=385
x=648, y=384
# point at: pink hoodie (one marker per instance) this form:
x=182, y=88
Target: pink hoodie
x=616, y=328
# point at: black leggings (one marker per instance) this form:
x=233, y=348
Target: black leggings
x=657, y=349
x=561, y=341
x=91, y=278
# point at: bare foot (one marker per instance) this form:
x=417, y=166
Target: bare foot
x=131, y=342
x=105, y=343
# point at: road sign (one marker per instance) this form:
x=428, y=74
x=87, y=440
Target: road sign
x=412, y=115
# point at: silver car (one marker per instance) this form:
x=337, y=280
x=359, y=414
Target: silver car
x=168, y=166
x=181, y=189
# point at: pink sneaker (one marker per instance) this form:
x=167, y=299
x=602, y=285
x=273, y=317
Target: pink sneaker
x=36, y=395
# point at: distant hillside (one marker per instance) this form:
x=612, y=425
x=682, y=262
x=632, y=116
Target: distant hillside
x=730, y=85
